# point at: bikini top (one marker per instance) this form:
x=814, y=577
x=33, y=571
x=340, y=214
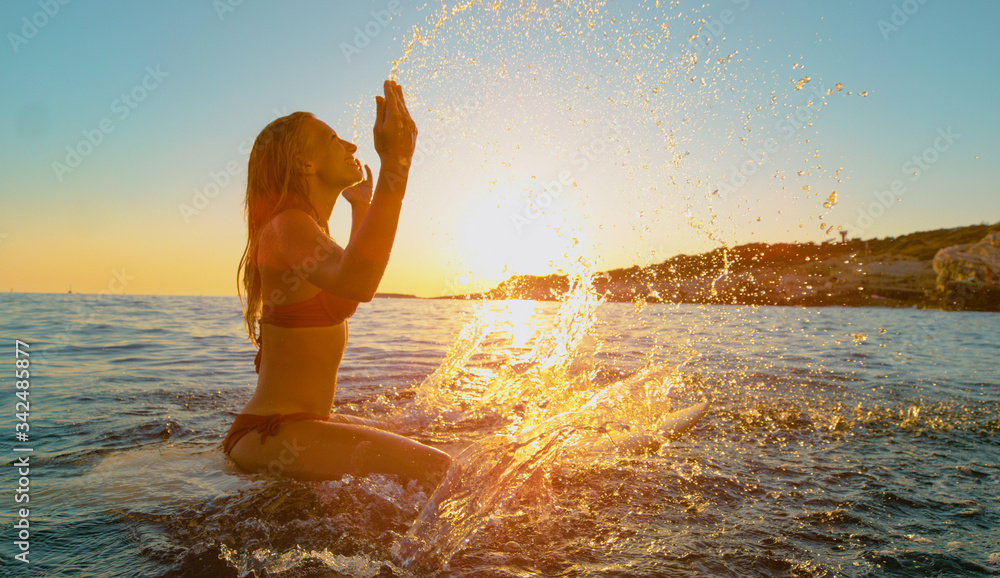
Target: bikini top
x=322, y=310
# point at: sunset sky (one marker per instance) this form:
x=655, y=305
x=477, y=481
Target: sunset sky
x=629, y=122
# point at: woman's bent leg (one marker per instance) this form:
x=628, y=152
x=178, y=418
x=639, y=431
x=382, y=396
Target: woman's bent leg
x=352, y=419
x=318, y=450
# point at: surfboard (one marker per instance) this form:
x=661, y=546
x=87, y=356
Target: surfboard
x=671, y=426
x=675, y=424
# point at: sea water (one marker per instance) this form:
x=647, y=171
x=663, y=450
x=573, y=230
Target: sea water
x=841, y=442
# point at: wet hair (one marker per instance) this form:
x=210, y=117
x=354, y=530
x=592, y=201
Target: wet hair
x=273, y=185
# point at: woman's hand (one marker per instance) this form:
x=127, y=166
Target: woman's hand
x=360, y=195
x=395, y=132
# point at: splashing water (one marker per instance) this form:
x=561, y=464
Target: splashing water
x=531, y=383
x=423, y=40
x=548, y=406
x=612, y=126
x=544, y=111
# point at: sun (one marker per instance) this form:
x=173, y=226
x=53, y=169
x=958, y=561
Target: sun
x=499, y=241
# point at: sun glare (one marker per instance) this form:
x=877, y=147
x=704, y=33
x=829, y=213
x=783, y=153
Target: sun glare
x=496, y=245
x=520, y=316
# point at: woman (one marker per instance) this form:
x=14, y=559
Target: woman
x=301, y=287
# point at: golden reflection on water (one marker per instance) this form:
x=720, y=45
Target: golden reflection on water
x=518, y=317
x=533, y=374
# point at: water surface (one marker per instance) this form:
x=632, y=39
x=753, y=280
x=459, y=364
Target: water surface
x=841, y=442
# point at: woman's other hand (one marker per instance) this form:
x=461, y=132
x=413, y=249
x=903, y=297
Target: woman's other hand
x=360, y=195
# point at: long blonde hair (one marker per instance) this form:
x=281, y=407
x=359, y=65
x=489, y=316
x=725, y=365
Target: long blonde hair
x=273, y=185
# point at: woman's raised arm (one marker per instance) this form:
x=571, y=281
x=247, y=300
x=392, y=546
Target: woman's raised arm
x=354, y=272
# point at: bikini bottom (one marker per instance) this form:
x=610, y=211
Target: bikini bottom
x=267, y=425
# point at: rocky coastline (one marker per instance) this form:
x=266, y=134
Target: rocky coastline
x=891, y=272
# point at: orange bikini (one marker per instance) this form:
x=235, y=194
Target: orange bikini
x=267, y=425
x=318, y=311
x=321, y=310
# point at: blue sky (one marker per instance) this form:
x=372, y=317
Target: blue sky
x=507, y=100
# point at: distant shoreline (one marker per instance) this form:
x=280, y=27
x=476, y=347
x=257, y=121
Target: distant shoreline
x=890, y=272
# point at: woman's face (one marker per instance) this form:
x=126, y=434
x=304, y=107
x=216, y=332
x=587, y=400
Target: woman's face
x=328, y=156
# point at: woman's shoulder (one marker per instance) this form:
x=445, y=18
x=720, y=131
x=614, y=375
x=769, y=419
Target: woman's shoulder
x=289, y=225
x=291, y=236
x=290, y=217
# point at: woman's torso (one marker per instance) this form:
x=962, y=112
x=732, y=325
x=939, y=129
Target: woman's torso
x=298, y=368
